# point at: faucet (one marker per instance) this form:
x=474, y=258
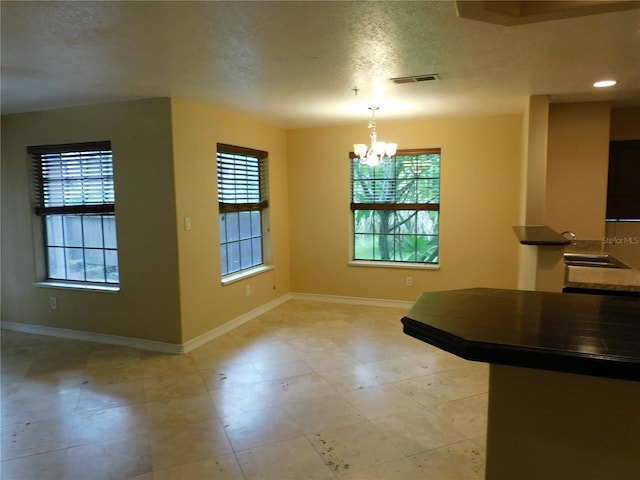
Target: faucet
x=574, y=238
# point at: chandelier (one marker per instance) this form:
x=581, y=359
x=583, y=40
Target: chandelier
x=378, y=152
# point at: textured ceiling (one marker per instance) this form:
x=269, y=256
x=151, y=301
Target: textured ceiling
x=295, y=64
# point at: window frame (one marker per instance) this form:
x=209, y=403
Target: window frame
x=260, y=204
x=388, y=206
x=55, y=198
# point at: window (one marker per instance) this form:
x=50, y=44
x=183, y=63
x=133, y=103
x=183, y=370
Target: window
x=242, y=201
x=395, y=208
x=75, y=197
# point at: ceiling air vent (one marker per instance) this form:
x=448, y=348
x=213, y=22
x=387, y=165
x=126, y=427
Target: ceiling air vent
x=416, y=78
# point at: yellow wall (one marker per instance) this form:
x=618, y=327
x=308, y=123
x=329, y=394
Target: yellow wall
x=164, y=156
x=575, y=188
x=479, y=205
x=205, y=302
x=577, y=168
x=533, y=175
x=576, y=181
x=147, y=305
x=537, y=138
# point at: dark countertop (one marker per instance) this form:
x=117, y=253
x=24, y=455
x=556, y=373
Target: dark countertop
x=567, y=332
x=602, y=289
x=539, y=235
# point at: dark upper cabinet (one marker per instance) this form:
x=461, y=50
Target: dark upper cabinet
x=623, y=188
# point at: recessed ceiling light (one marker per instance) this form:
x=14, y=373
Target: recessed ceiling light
x=605, y=83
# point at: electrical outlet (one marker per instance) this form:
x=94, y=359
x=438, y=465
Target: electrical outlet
x=53, y=303
x=248, y=290
x=409, y=281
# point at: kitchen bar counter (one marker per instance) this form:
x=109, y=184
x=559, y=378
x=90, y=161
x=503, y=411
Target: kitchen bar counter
x=539, y=235
x=564, y=382
x=586, y=334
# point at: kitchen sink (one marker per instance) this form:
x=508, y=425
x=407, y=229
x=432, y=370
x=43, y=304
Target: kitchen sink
x=598, y=260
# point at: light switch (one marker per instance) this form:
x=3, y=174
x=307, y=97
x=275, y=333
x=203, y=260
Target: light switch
x=187, y=223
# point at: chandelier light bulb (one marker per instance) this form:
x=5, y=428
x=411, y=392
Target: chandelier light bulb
x=360, y=149
x=372, y=161
x=391, y=149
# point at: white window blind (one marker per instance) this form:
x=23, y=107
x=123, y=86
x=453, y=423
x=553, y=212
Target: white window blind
x=241, y=179
x=73, y=178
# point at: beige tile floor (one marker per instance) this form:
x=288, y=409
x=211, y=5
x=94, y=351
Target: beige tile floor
x=306, y=391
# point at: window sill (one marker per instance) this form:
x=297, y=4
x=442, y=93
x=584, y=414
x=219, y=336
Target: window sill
x=79, y=286
x=250, y=272
x=416, y=266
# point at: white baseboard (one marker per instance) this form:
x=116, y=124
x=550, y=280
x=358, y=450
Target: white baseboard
x=372, y=302
x=235, y=323
x=94, y=337
x=177, y=349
